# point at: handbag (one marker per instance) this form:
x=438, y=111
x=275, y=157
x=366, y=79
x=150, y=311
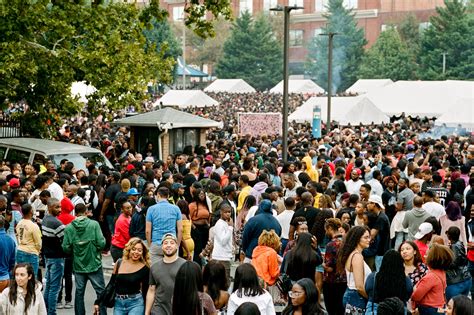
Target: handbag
x=284, y=284
x=108, y=297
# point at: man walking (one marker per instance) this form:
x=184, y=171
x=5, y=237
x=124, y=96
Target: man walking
x=162, y=277
x=84, y=240
x=53, y=233
x=380, y=229
x=161, y=219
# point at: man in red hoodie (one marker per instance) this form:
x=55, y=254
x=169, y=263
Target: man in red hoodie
x=66, y=217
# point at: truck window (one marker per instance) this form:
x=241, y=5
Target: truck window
x=18, y=156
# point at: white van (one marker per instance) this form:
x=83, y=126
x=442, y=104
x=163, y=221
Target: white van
x=37, y=151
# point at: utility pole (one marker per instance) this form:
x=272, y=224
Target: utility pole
x=184, y=54
x=330, y=36
x=286, y=45
x=444, y=62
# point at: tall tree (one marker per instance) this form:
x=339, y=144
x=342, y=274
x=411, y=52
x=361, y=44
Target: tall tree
x=409, y=30
x=388, y=58
x=450, y=32
x=348, y=49
x=47, y=45
x=251, y=53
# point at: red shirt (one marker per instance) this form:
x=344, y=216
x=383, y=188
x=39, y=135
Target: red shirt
x=430, y=289
x=66, y=218
x=423, y=248
x=121, y=235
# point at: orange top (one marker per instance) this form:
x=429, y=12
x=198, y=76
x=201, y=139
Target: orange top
x=265, y=261
x=198, y=212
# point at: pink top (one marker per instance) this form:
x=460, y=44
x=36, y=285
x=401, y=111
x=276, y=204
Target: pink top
x=121, y=235
x=446, y=224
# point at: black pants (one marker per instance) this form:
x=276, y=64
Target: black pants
x=116, y=252
x=333, y=294
x=67, y=281
x=200, y=236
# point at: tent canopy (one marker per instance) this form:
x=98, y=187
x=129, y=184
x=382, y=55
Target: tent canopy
x=462, y=114
x=363, y=86
x=420, y=98
x=345, y=110
x=230, y=86
x=298, y=86
x=168, y=118
x=186, y=98
x=82, y=90
x=188, y=71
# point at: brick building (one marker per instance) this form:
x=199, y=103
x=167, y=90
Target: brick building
x=371, y=15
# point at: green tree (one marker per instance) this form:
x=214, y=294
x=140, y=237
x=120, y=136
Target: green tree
x=409, y=30
x=348, y=49
x=388, y=58
x=47, y=45
x=251, y=53
x=450, y=32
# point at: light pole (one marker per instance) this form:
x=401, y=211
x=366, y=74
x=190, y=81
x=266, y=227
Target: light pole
x=286, y=44
x=184, y=54
x=444, y=62
x=330, y=36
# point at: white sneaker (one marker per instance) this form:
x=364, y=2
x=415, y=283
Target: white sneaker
x=68, y=305
x=60, y=306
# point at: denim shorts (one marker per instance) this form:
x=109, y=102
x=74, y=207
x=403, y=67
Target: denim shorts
x=130, y=305
x=353, y=298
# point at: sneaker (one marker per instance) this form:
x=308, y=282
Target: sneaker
x=68, y=305
x=60, y=305
x=105, y=253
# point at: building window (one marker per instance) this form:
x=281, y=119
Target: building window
x=296, y=38
x=320, y=5
x=297, y=3
x=246, y=5
x=317, y=32
x=182, y=138
x=350, y=4
x=268, y=4
x=178, y=13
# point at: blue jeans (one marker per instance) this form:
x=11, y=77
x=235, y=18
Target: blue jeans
x=110, y=219
x=470, y=266
x=97, y=280
x=54, y=275
x=460, y=288
x=378, y=262
x=131, y=305
x=32, y=259
x=427, y=310
x=400, y=237
x=353, y=298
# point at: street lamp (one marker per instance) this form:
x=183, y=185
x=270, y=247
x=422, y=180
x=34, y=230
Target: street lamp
x=330, y=36
x=184, y=49
x=286, y=10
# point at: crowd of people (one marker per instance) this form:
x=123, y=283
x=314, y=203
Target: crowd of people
x=366, y=220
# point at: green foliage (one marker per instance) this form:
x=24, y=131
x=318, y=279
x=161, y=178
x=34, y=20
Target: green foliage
x=451, y=32
x=409, y=30
x=202, y=22
x=388, y=58
x=348, y=49
x=252, y=53
x=47, y=45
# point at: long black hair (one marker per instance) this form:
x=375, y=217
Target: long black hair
x=214, y=277
x=246, y=281
x=30, y=297
x=311, y=304
x=302, y=258
x=462, y=305
x=390, y=280
x=187, y=286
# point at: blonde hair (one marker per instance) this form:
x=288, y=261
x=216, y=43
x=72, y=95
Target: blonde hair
x=128, y=248
x=269, y=239
x=125, y=184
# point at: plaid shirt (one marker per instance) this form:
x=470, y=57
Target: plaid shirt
x=330, y=259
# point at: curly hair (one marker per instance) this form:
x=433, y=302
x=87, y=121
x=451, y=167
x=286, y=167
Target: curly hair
x=128, y=248
x=333, y=223
x=269, y=239
x=349, y=243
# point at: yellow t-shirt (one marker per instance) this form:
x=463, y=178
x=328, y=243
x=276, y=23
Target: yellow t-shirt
x=29, y=237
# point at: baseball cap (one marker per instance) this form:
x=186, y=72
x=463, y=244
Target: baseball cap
x=130, y=167
x=175, y=186
x=322, y=147
x=149, y=159
x=169, y=236
x=376, y=199
x=14, y=182
x=132, y=192
x=423, y=229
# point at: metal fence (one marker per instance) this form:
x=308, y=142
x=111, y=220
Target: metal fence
x=10, y=128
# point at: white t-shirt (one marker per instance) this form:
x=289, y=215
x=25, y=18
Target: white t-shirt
x=434, y=209
x=284, y=219
x=223, y=236
x=264, y=303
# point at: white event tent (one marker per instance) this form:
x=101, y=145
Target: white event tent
x=298, y=86
x=81, y=90
x=230, y=86
x=363, y=86
x=420, y=98
x=186, y=98
x=461, y=114
x=345, y=110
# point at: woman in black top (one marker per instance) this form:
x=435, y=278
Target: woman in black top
x=132, y=273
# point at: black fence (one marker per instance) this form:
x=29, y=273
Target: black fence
x=10, y=128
